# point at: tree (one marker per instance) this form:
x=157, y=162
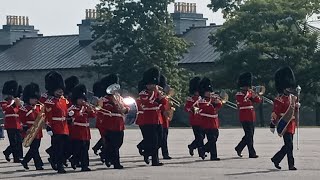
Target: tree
x=262, y=35
x=136, y=35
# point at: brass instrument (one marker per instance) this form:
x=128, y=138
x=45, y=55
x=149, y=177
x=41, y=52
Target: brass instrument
x=113, y=89
x=169, y=95
x=260, y=90
x=35, y=128
x=224, y=98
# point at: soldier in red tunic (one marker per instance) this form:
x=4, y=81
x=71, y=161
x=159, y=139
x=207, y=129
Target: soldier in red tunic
x=151, y=102
x=113, y=122
x=28, y=113
x=209, y=106
x=10, y=107
x=165, y=117
x=245, y=99
x=56, y=112
x=80, y=135
x=192, y=106
x=285, y=84
x=140, y=117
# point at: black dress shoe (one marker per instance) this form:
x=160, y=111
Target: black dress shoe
x=276, y=164
x=190, y=150
x=167, y=157
x=95, y=151
x=146, y=159
x=7, y=156
x=254, y=156
x=62, y=171
x=119, y=166
x=17, y=161
x=108, y=164
x=85, y=169
x=238, y=152
x=292, y=168
x=140, y=150
x=39, y=168
x=25, y=165
x=215, y=159
x=157, y=164
x=53, y=165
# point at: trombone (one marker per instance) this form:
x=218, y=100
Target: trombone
x=260, y=90
x=169, y=95
x=224, y=97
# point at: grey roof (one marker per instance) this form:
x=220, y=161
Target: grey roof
x=51, y=52
x=314, y=29
x=200, y=51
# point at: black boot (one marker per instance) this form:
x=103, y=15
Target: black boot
x=292, y=168
x=146, y=159
x=238, y=152
x=39, y=168
x=118, y=166
x=53, y=165
x=61, y=170
x=190, y=150
x=25, y=165
x=7, y=156
x=276, y=164
x=85, y=169
x=167, y=157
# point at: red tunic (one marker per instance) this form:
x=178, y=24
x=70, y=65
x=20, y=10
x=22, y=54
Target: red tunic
x=56, y=113
x=209, y=113
x=113, y=121
x=99, y=120
x=28, y=115
x=151, y=108
x=11, y=116
x=280, y=106
x=140, y=115
x=43, y=98
x=80, y=128
x=193, y=117
x=165, y=107
x=245, y=102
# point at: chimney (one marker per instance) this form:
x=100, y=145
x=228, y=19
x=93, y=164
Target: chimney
x=185, y=16
x=16, y=27
x=85, y=31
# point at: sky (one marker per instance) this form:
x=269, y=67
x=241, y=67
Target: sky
x=60, y=17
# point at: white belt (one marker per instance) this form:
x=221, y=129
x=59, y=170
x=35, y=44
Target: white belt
x=140, y=112
x=209, y=115
x=11, y=115
x=58, y=119
x=151, y=109
x=246, y=107
x=115, y=115
x=81, y=124
x=30, y=122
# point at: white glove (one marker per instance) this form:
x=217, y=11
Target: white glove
x=50, y=133
x=272, y=130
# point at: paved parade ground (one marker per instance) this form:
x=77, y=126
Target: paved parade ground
x=183, y=166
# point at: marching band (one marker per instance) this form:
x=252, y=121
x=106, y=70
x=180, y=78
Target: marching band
x=66, y=109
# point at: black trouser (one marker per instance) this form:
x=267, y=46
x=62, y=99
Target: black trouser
x=59, y=149
x=69, y=149
x=141, y=145
x=152, y=135
x=198, y=133
x=15, y=146
x=211, y=146
x=80, y=152
x=34, y=154
x=98, y=145
x=164, y=143
x=114, y=140
x=287, y=149
x=247, y=139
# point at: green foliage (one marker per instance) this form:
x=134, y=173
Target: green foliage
x=262, y=35
x=136, y=35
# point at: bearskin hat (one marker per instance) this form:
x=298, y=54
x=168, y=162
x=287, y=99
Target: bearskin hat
x=204, y=86
x=53, y=82
x=109, y=80
x=245, y=79
x=10, y=88
x=151, y=76
x=31, y=91
x=284, y=78
x=79, y=91
x=141, y=86
x=98, y=90
x=163, y=81
x=194, y=85
x=70, y=83
x=46, y=79
x=19, y=92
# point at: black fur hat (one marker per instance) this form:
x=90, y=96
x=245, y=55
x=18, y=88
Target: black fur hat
x=46, y=79
x=245, y=79
x=151, y=76
x=70, y=83
x=163, y=81
x=109, y=80
x=194, y=85
x=10, y=88
x=53, y=82
x=19, y=92
x=205, y=85
x=80, y=91
x=98, y=90
x=284, y=78
x=31, y=90
x=141, y=86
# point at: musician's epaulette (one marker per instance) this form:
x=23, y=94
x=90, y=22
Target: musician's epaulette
x=73, y=107
x=239, y=94
x=144, y=92
x=49, y=101
x=279, y=98
x=23, y=108
x=44, y=95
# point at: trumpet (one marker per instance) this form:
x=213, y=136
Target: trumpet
x=260, y=90
x=169, y=95
x=224, y=98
